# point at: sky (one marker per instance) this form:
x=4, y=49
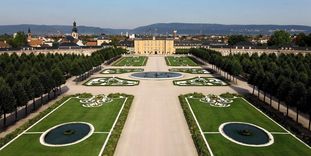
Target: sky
x=133, y=13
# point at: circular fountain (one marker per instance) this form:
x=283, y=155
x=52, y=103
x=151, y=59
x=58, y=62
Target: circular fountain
x=66, y=134
x=156, y=75
x=246, y=134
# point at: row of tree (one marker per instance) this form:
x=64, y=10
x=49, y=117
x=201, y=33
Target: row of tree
x=27, y=77
x=16, y=41
x=286, y=77
x=303, y=40
x=277, y=39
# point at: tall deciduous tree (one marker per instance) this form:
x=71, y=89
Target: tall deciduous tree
x=7, y=99
x=20, y=96
x=279, y=38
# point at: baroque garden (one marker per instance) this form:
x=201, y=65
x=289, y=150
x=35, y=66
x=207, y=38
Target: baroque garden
x=145, y=105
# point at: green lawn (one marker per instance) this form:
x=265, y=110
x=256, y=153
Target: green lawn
x=210, y=118
x=102, y=118
x=180, y=61
x=121, y=70
x=131, y=61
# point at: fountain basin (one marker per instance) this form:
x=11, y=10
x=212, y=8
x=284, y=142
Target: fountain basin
x=66, y=134
x=156, y=75
x=246, y=134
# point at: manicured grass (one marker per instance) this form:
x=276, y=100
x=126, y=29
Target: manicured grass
x=102, y=118
x=201, y=81
x=210, y=118
x=131, y=61
x=180, y=61
x=283, y=145
x=121, y=70
x=110, y=81
x=190, y=70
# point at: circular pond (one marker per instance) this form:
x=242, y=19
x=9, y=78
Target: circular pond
x=66, y=134
x=157, y=75
x=246, y=134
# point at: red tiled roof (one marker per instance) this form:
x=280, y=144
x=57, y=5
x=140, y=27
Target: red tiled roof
x=4, y=45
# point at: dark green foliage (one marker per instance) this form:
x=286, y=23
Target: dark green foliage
x=19, y=40
x=235, y=39
x=31, y=76
x=7, y=100
x=287, y=77
x=302, y=40
x=280, y=38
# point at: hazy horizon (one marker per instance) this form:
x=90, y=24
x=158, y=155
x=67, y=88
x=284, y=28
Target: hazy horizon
x=126, y=14
x=142, y=25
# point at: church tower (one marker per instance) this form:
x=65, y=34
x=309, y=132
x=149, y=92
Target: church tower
x=74, y=32
x=29, y=35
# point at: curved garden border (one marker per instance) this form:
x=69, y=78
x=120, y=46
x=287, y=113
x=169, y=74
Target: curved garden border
x=271, y=138
x=69, y=144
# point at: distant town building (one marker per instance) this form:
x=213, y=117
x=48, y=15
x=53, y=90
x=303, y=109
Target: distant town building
x=175, y=34
x=71, y=41
x=4, y=45
x=74, y=32
x=91, y=43
x=132, y=36
x=103, y=40
x=127, y=44
x=187, y=44
x=154, y=46
x=38, y=42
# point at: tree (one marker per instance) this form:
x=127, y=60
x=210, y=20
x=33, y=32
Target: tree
x=19, y=40
x=7, y=100
x=58, y=77
x=235, y=39
x=282, y=91
x=308, y=105
x=301, y=40
x=279, y=38
x=20, y=96
x=237, y=68
x=37, y=88
x=296, y=97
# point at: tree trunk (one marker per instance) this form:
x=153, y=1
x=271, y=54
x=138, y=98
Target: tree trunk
x=34, y=103
x=279, y=103
x=287, y=109
x=297, y=114
x=309, y=121
x=26, y=109
x=264, y=96
x=41, y=99
x=4, y=119
x=15, y=113
x=271, y=100
x=253, y=89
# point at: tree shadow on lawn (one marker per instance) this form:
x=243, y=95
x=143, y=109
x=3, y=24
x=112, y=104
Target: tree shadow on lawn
x=239, y=89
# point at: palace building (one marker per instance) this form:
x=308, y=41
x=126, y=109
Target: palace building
x=154, y=46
